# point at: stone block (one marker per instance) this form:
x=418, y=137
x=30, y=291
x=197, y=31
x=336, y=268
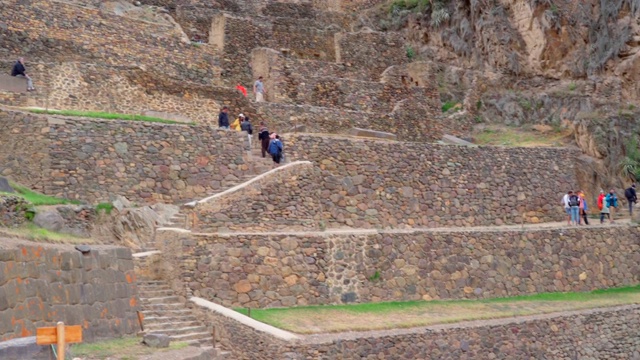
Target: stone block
x=156, y=340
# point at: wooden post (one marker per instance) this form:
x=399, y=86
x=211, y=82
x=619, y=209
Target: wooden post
x=213, y=335
x=60, y=338
x=140, y=320
x=249, y=312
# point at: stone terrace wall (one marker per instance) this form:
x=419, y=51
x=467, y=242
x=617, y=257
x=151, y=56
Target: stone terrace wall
x=273, y=270
x=55, y=31
x=261, y=206
x=374, y=51
x=93, y=160
x=392, y=184
x=592, y=334
x=42, y=284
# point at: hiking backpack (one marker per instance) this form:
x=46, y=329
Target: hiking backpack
x=574, y=200
x=628, y=194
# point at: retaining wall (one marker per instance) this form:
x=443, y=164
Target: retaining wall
x=41, y=284
x=94, y=160
x=589, y=335
x=288, y=269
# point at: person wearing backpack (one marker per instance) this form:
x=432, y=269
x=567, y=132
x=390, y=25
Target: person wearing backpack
x=574, y=203
x=630, y=194
x=275, y=149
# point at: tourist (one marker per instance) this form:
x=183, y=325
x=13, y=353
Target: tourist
x=20, y=71
x=242, y=89
x=275, y=149
x=604, y=210
x=567, y=207
x=223, y=118
x=574, y=204
x=630, y=194
x=263, y=136
x=611, y=201
x=258, y=90
x=236, y=124
x=246, y=126
x=583, y=208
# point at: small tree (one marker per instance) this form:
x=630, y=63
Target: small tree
x=630, y=164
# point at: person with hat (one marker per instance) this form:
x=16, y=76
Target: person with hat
x=630, y=194
x=237, y=123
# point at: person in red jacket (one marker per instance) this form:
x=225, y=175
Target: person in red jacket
x=603, y=210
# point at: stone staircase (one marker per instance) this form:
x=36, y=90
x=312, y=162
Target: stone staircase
x=164, y=313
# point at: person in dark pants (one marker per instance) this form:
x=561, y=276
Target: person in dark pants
x=263, y=136
x=223, y=118
x=632, y=198
x=583, y=207
x=275, y=149
x=20, y=71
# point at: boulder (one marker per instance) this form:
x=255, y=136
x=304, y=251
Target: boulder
x=156, y=340
x=50, y=220
x=120, y=203
x=4, y=186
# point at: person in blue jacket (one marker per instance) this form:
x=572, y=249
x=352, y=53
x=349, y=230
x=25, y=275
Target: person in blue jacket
x=611, y=201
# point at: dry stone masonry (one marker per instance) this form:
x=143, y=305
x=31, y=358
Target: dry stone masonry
x=274, y=270
x=94, y=160
x=592, y=334
x=42, y=284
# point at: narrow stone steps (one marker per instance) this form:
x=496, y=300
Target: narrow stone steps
x=201, y=336
x=178, y=331
x=163, y=312
x=159, y=300
x=155, y=293
x=168, y=324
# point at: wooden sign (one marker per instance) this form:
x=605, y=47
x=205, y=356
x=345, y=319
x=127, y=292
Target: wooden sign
x=60, y=335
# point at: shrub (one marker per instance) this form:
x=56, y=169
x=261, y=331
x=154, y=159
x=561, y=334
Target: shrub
x=410, y=52
x=448, y=105
x=106, y=207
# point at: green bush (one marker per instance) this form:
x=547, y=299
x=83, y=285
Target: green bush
x=410, y=53
x=448, y=105
x=106, y=207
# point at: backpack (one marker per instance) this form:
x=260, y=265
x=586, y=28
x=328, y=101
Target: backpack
x=574, y=200
x=628, y=194
x=274, y=147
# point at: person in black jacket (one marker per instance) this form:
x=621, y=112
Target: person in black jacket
x=246, y=126
x=20, y=71
x=632, y=198
x=263, y=136
x=223, y=118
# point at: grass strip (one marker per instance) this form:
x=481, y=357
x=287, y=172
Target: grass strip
x=402, y=314
x=39, y=199
x=106, y=115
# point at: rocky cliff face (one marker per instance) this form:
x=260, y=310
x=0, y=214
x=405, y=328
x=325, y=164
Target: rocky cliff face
x=568, y=63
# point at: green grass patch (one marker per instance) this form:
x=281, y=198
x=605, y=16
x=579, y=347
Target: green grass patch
x=39, y=199
x=416, y=5
x=402, y=314
x=123, y=348
x=106, y=115
x=34, y=233
x=448, y=106
x=106, y=207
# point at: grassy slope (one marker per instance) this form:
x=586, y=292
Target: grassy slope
x=105, y=115
x=39, y=199
x=124, y=348
x=385, y=315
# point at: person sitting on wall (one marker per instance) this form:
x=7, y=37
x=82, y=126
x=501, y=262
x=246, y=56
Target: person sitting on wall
x=20, y=71
x=223, y=118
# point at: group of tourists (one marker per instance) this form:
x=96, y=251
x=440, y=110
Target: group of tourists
x=270, y=142
x=576, y=207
